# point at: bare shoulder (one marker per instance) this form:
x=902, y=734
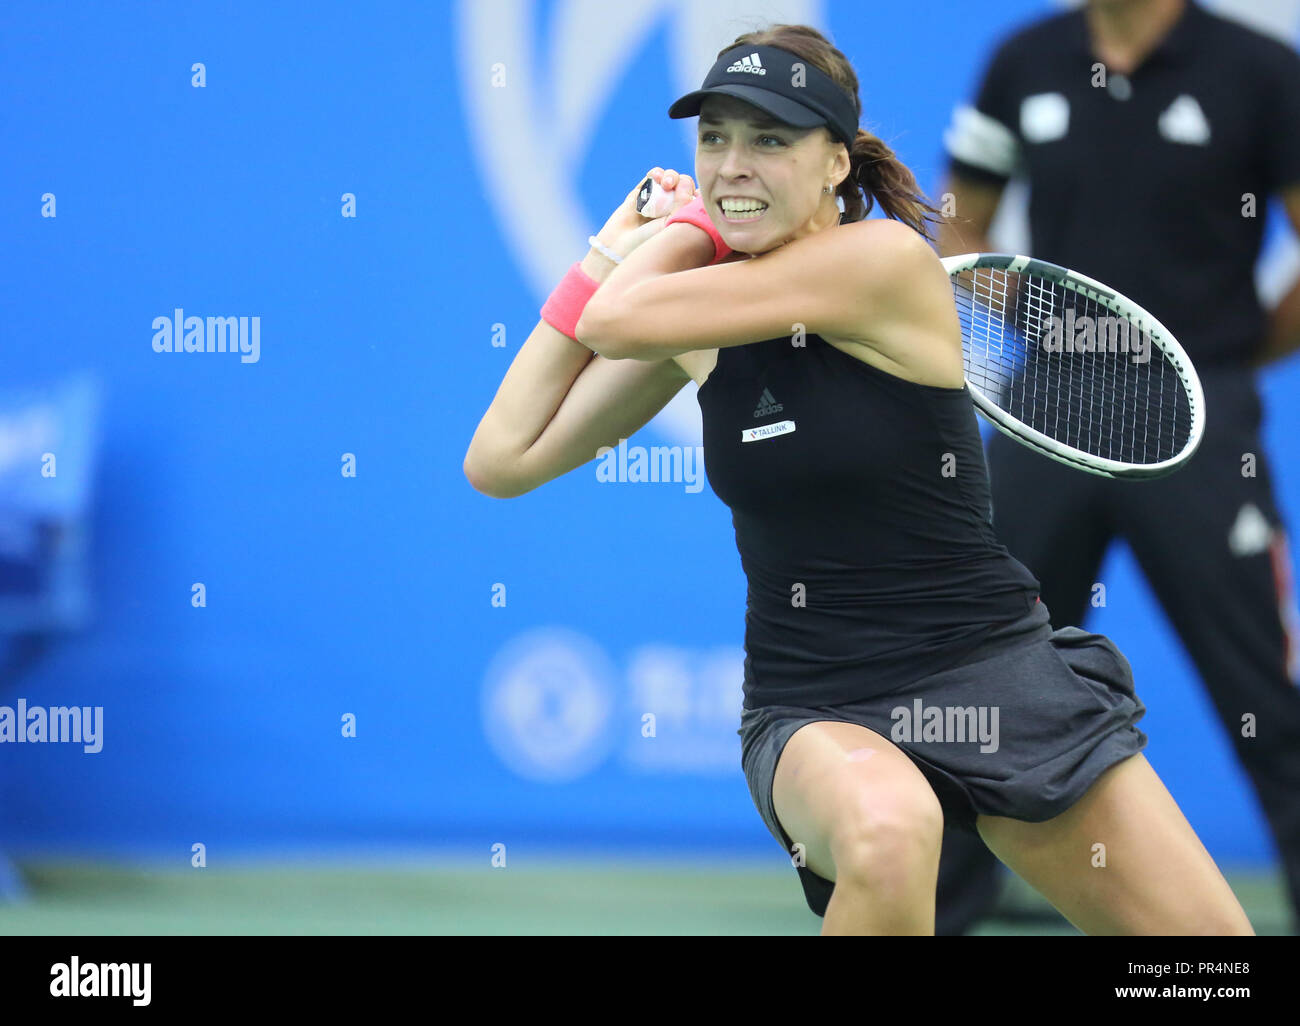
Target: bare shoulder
x=890, y=265
x=909, y=322
x=891, y=251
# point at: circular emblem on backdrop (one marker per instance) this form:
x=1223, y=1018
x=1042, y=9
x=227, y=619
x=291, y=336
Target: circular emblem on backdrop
x=548, y=701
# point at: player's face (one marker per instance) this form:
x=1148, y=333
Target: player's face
x=761, y=180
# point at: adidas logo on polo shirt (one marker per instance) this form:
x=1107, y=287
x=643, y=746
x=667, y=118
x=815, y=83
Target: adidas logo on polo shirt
x=750, y=64
x=767, y=404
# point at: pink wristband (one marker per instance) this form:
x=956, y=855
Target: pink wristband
x=694, y=213
x=563, y=307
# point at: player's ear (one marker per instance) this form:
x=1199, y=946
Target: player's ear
x=843, y=164
x=833, y=165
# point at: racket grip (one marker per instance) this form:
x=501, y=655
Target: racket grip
x=652, y=200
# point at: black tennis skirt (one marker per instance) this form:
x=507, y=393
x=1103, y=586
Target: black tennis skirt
x=1065, y=712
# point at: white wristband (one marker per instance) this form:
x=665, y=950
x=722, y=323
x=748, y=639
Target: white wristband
x=603, y=250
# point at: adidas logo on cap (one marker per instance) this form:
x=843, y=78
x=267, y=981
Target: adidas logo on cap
x=767, y=404
x=751, y=64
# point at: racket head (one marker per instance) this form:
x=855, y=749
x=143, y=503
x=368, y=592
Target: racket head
x=1001, y=354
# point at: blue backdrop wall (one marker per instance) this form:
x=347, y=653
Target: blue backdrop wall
x=330, y=596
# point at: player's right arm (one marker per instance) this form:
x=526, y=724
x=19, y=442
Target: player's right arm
x=559, y=402
x=557, y=405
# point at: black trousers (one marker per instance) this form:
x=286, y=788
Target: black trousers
x=1209, y=540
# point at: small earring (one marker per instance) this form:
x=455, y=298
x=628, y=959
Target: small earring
x=827, y=190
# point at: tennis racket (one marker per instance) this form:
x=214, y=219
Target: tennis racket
x=1073, y=369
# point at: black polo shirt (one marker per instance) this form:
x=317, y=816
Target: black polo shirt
x=1139, y=182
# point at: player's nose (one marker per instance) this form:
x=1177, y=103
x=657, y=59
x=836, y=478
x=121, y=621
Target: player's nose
x=734, y=163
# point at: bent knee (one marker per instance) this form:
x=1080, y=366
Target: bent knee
x=885, y=842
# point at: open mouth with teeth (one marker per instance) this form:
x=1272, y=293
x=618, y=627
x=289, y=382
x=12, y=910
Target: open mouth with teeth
x=742, y=210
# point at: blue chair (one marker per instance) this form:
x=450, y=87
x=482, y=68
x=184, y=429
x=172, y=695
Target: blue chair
x=48, y=446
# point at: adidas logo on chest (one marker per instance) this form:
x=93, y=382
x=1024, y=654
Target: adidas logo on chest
x=767, y=405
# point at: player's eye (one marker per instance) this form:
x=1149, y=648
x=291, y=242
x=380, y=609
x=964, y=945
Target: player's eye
x=763, y=138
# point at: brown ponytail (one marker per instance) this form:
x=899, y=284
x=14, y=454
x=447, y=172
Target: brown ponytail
x=882, y=176
x=874, y=169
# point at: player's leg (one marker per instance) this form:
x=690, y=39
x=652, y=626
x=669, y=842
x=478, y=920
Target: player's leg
x=868, y=820
x=1121, y=860
x=1211, y=544
x=1050, y=518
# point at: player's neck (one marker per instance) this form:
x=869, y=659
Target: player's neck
x=1124, y=33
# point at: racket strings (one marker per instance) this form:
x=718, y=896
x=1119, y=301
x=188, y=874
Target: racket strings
x=1065, y=365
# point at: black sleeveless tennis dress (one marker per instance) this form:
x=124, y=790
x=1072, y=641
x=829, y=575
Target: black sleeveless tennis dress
x=878, y=593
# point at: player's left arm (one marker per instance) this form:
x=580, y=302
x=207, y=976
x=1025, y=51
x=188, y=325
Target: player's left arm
x=840, y=281
x=1283, y=335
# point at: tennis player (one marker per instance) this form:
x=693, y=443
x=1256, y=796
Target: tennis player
x=839, y=430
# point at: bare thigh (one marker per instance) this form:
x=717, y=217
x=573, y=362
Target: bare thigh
x=1121, y=860
x=832, y=777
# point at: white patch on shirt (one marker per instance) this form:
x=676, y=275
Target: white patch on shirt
x=1044, y=117
x=1184, y=122
x=1251, y=532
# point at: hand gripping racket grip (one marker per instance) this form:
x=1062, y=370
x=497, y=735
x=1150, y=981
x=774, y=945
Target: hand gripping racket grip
x=651, y=200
